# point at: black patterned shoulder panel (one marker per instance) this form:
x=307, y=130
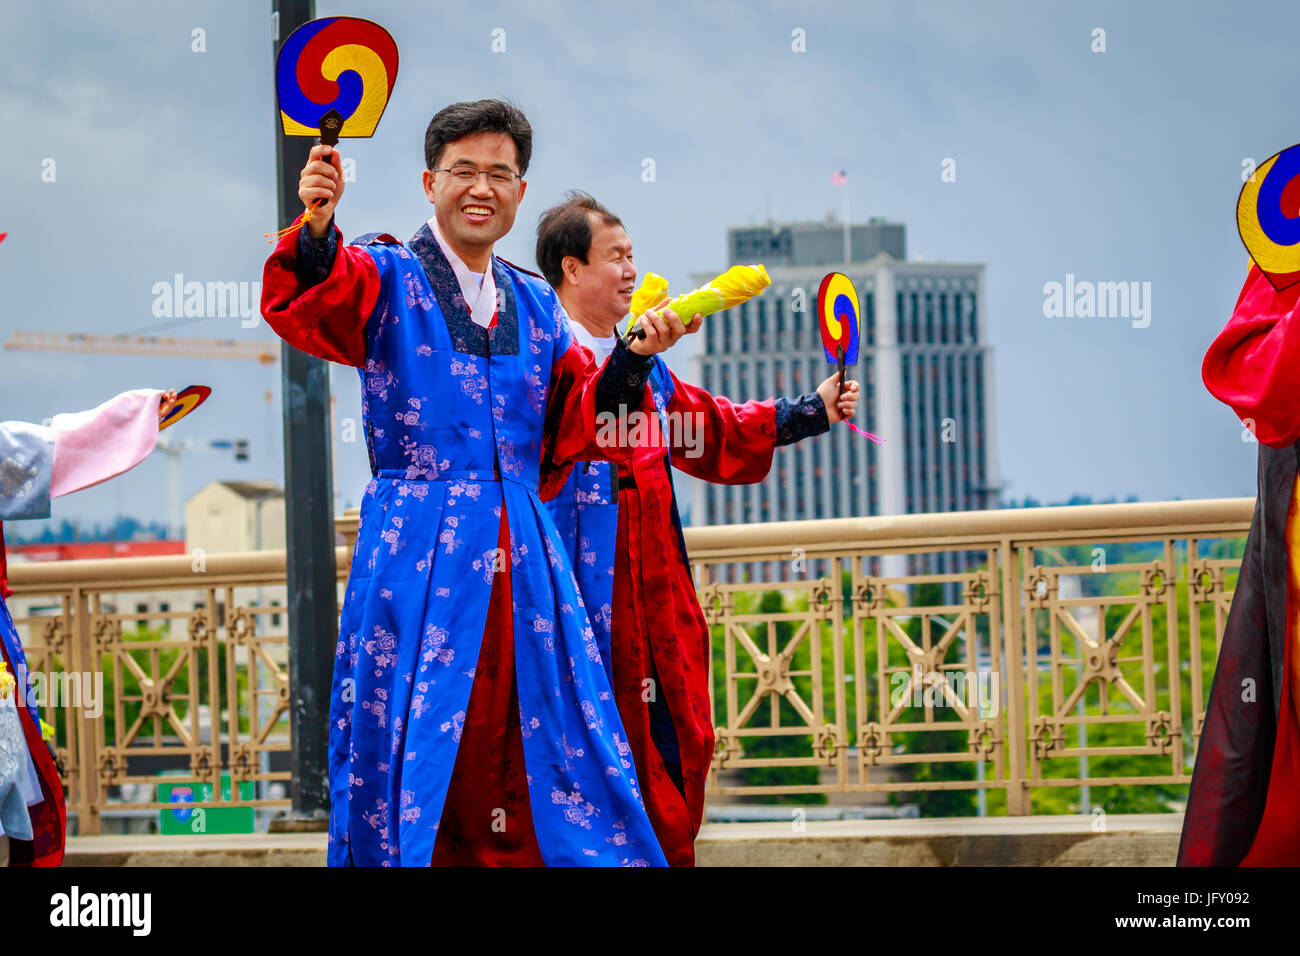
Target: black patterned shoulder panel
x=466, y=336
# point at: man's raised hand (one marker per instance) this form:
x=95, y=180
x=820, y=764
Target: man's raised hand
x=321, y=178
x=662, y=330
x=847, y=404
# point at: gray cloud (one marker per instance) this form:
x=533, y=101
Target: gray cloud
x=1116, y=166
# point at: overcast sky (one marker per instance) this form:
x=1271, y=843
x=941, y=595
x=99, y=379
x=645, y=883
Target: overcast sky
x=1122, y=165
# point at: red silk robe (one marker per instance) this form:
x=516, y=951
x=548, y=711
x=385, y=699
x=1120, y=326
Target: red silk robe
x=658, y=628
x=1244, y=803
x=50, y=818
x=88, y=447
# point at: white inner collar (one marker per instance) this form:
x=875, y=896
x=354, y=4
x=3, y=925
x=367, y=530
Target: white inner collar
x=479, y=291
x=601, y=348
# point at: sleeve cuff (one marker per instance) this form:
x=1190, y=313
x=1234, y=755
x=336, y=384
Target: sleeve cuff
x=26, y=467
x=800, y=418
x=316, y=255
x=102, y=442
x=623, y=380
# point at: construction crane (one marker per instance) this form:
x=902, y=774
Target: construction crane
x=173, y=448
x=264, y=353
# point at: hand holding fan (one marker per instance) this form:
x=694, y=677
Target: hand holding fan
x=186, y=401
x=837, y=310
x=837, y=313
x=333, y=78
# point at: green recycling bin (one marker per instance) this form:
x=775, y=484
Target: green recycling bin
x=192, y=820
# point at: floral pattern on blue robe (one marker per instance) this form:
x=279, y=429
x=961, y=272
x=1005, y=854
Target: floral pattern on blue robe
x=440, y=422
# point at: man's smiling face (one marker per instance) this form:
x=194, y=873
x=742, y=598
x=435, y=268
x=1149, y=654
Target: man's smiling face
x=602, y=286
x=473, y=216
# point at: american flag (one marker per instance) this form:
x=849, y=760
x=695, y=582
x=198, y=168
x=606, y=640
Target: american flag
x=839, y=178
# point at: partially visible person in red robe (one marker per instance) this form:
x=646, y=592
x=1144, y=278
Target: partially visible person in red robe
x=622, y=522
x=1243, y=808
x=75, y=450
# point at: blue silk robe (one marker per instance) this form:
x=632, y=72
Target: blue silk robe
x=458, y=422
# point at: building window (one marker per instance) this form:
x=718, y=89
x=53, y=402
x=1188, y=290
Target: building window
x=922, y=434
x=949, y=448
x=906, y=362
x=867, y=331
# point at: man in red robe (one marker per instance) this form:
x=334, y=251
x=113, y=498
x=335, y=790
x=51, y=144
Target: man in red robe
x=630, y=556
x=37, y=463
x=1244, y=804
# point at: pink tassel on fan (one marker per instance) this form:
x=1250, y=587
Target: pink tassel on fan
x=875, y=438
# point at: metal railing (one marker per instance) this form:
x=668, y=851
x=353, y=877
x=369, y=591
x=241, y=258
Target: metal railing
x=201, y=686
x=1018, y=675
x=1013, y=684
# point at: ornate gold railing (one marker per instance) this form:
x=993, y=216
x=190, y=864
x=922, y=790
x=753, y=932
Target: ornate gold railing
x=202, y=686
x=1021, y=675
x=1007, y=629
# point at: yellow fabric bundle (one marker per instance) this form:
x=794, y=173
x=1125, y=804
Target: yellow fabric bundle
x=736, y=285
x=7, y=681
x=653, y=288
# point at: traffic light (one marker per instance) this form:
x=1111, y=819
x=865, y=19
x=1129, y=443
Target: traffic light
x=241, y=449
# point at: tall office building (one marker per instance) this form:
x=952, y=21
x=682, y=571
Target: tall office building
x=925, y=369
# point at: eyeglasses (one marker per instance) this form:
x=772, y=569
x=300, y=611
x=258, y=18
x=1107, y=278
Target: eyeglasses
x=465, y=175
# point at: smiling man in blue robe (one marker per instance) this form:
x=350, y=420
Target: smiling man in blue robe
x=472, y=721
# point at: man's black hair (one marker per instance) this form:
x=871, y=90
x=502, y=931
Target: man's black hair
x=481, y=116
x=565, y=230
